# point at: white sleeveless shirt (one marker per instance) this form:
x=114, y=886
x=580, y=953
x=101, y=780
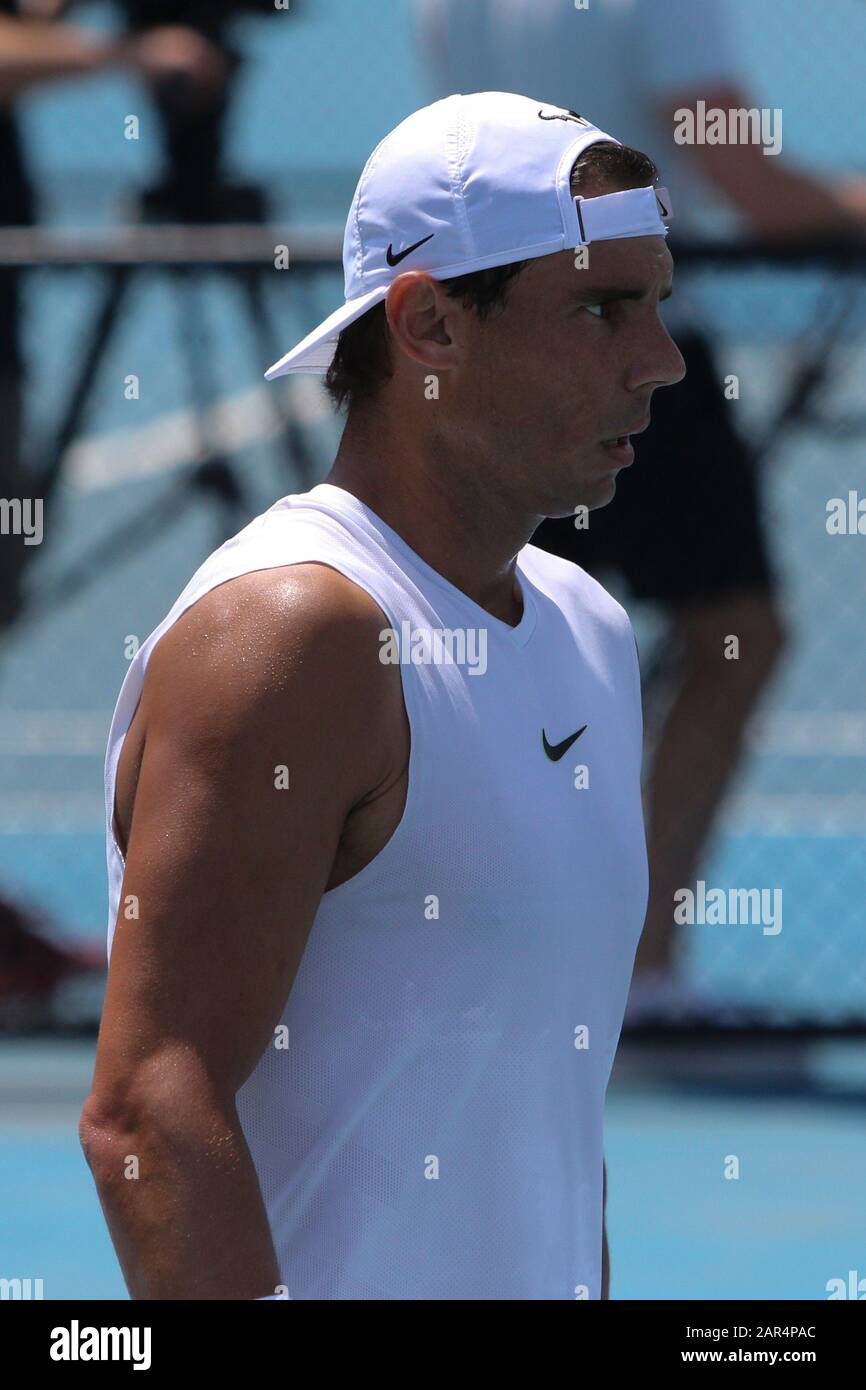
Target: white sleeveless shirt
x=428, y=1121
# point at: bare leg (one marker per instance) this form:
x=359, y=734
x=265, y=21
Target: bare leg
x=699, y=750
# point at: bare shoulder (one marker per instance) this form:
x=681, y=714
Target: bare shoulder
x=284, y=658
x=257, y=626
x=256, y=630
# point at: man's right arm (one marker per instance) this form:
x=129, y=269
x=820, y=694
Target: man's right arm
x=778, y=200
x=225, y=869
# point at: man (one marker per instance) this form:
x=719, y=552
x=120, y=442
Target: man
x=685, y=530
x=372, y=921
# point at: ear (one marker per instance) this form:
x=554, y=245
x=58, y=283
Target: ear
x=423, y=320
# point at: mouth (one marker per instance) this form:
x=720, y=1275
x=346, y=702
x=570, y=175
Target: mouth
x=620, y=445
x=619, y=451
x=626, y=435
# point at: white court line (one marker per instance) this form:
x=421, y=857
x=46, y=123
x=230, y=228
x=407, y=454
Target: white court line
x=32, y=812
x=789, y=733
x=173, y=441
x=47, y=811
x=819, y=814
x=238, y=420
x=54, y=733
x=810, y=734
x=792, y=733
x=44, y=1082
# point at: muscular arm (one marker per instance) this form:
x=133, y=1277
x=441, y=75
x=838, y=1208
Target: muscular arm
x=275, y=668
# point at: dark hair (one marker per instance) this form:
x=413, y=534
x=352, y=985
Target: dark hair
x=362, y=358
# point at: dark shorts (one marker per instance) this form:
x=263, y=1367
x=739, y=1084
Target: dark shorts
x=686, y=519
x=10, y=320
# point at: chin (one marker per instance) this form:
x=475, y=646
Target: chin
x=598, y=495
x=606, y=493
x=590, y=490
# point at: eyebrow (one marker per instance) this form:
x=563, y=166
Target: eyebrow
x=603, y=296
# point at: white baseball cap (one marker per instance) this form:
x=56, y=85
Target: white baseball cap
x=466, y=183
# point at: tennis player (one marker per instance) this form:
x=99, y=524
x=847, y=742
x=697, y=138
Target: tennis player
x=375, y=844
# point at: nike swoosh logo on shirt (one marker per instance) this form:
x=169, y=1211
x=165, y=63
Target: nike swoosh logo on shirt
x=555, y=751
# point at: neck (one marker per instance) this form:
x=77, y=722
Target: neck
x=462, y=529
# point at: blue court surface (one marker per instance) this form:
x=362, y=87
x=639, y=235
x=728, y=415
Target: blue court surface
x=678, y=1228
x=795, y=818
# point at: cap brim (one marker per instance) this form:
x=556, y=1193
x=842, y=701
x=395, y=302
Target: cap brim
x=314, y=353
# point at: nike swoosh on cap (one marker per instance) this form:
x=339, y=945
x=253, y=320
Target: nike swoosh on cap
x=394, y=258
x=556, y=751
x=565, y=116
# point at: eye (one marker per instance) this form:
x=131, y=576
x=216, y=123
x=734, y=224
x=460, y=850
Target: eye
x=597, y=310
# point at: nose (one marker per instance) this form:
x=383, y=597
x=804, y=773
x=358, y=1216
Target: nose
x=680, y=368
x=660, y=362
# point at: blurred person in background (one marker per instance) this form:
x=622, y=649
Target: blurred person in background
x=685, y=528
x=35, y=49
